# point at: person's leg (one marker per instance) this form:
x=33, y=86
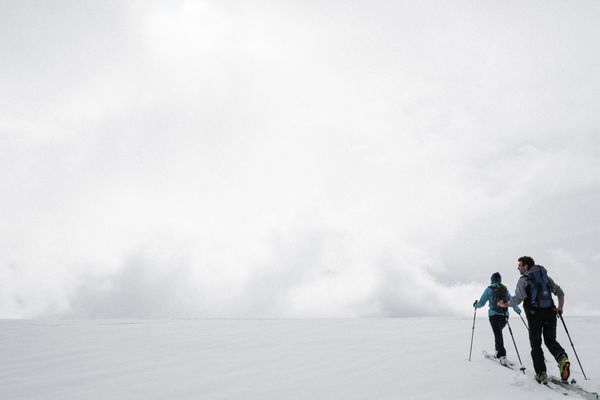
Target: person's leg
x=498, y=322
x=559, y=354
x=535, y=340
x=549, y=335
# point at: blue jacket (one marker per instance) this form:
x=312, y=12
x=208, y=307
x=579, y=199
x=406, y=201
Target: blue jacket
x=486, y=297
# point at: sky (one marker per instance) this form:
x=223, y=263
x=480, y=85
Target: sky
x=269, y=159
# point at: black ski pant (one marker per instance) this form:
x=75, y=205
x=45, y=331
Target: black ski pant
x=498, y=323
x=542, y=324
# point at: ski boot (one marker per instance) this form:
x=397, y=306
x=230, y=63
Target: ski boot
x=564, y=366
x=541, y=378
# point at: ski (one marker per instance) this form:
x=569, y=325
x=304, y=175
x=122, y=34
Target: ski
x=555, y=388
x=553, y=383
x=571, y=386
x=507, y=363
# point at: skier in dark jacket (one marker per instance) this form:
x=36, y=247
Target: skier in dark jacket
x=535, y=288
x=498, y=316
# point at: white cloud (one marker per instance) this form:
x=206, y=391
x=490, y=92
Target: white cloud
x=290, y=159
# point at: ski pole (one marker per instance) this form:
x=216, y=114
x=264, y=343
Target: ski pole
x=515, y=343
x=524, y=323
x=472, y=333
x=575, y=351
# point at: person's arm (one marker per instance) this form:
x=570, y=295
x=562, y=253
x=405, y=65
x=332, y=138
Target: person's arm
x=559, y=293
x=561, y=303
x=516, y=308
x=520, y=295
x=483, y=299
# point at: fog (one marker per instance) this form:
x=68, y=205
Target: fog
x=226, y=159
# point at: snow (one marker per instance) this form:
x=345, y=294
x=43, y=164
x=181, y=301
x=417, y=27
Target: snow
x=393, y=358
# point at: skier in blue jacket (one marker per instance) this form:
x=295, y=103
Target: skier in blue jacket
x=498, y=316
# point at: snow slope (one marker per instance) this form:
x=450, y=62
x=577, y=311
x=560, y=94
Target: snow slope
x=404, y=358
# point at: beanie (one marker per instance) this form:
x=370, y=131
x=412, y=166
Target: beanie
x=496, y=278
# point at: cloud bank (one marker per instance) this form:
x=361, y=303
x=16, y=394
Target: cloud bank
x=214, y=159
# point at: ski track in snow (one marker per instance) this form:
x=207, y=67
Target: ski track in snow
x=396, y=358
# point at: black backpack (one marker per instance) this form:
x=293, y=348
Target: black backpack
x=499, y=292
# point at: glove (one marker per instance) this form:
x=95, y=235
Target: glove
x=559, y=311
x=519, y=311
x=475, y=303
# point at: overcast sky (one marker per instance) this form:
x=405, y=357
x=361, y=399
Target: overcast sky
x=294, y=158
